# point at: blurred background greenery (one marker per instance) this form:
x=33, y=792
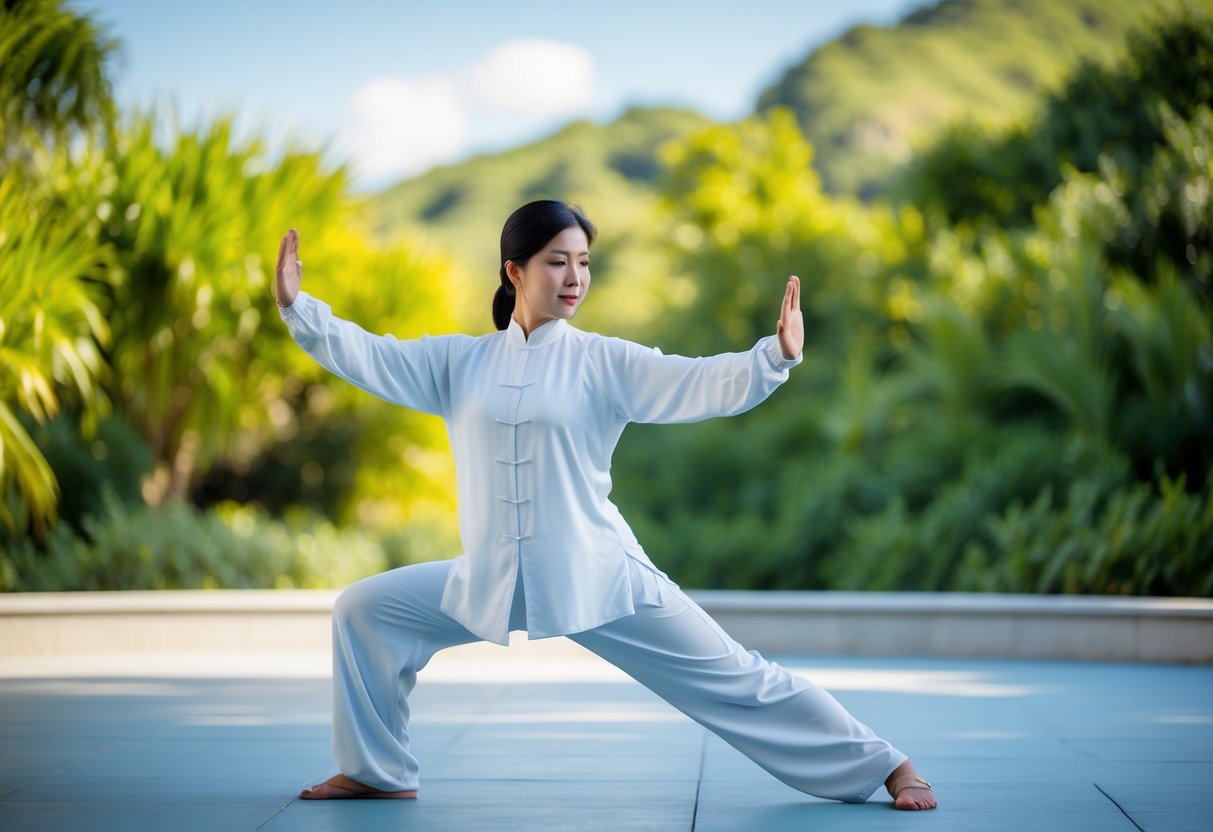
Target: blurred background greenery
x=1001, y=214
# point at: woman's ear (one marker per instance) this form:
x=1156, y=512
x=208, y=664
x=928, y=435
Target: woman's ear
x=513, y=272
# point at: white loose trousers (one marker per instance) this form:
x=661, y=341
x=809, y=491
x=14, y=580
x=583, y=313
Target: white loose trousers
x=387, y=627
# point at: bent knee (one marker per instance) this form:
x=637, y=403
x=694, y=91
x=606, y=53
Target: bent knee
x=358, y=601
x=407, y=597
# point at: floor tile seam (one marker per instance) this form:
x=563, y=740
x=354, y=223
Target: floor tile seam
x=189, y=800
x=1075, y=746
x=1119, y=808
x=545, y=779
x=1034, y=713
x=276, y=813
x=76, y=762
x=703, y=757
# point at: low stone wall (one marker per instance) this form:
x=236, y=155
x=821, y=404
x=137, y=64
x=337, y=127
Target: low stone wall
x=970, y=625
x=63, y=623
x=926, y=624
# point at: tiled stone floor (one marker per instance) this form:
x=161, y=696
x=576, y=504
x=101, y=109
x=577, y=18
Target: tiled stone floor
x=532, y=740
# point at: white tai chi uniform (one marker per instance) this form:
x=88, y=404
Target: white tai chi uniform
x=533, y=423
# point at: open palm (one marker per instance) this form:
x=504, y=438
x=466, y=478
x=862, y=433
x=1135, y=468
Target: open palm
x=288, y=274
x=790, y=328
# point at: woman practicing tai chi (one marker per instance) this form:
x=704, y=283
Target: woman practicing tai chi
x=534, y=412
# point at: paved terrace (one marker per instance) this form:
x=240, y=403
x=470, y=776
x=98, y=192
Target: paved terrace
x=544, y=736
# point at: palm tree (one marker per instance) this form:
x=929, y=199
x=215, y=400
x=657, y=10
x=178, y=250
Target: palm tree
x=50, y=327
x=53, y=73
x=53, y=86
x=196, y=347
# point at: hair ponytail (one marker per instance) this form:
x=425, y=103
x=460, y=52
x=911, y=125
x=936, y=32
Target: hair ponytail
x=503, y=302
x=526, y=232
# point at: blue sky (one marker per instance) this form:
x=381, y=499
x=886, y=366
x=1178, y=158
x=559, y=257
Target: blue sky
x=397, y=87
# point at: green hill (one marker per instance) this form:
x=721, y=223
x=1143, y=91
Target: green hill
x=610, y=170
x=867, y=98
x=863, y=101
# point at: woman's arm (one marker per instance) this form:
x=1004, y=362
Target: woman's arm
x=411, y=373
x=646, y=386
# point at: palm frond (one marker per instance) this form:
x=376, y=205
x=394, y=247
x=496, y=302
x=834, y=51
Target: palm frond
x=1054, y=367
x=952, y=364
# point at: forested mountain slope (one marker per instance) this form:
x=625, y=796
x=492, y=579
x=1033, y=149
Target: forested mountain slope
x=865, y=99
x=611, y=169
x=862, y=100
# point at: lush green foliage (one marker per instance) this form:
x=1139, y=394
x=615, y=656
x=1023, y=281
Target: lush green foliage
x=54, y=75
x=982, y=401
x=1105, y=119
x=1008, y=383
x=51, y=333
x=134, y=278
x=109, y=463
x=1116, y=540
x=53, y=87
x=178, y=547
x=192, y=230
x=865, y=99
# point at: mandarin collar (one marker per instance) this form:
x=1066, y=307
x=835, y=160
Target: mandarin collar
x=549, y=332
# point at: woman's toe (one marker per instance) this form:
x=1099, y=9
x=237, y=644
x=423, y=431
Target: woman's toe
x=914, y=799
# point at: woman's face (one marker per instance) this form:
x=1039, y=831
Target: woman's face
x=554, y=281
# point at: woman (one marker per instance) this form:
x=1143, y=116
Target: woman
x=534, y=412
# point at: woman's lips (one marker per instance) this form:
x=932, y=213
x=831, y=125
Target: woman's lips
x=571, y=300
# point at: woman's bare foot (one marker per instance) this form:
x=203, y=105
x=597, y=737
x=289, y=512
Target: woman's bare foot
x=340, y=787
x=908, y=789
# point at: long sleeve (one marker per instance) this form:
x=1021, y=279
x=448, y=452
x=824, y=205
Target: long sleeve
x=412, y=373
x=646, y=386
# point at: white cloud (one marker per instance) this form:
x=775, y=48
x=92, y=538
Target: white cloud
x=403, y=126
x=533, y=77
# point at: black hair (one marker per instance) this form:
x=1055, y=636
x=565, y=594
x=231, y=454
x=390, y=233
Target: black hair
x=525, y=233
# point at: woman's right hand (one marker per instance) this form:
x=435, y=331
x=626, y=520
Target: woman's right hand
x=289, y=272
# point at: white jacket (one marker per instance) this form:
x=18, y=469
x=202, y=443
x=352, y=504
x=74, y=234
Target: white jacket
x=533, y=424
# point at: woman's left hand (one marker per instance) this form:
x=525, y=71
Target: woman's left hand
x=790, y=328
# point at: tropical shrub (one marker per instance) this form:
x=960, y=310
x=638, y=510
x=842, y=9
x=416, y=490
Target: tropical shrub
x=52, y=329
x=1086, y=537
x=231, y=546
